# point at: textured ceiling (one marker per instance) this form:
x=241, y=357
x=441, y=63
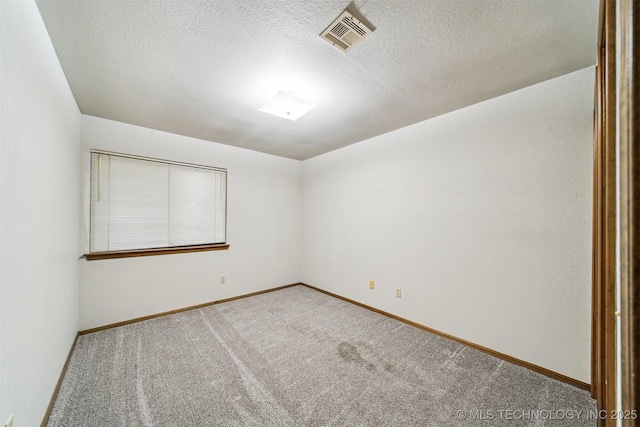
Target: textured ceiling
x=204, y=68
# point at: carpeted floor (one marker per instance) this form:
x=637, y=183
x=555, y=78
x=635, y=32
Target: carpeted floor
x=299, y=357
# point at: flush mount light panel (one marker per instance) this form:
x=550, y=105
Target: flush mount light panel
x=287, y=106
x=346, y=31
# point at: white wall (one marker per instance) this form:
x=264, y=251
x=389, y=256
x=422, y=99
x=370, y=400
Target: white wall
x=263, y=229
x=482, y=216
x=39, y=205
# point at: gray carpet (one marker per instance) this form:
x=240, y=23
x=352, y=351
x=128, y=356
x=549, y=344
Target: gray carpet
x=299, y=357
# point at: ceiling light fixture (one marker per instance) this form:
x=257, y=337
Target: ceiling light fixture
x=287, y=106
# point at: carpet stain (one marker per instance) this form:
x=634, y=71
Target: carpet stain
x=349, y=353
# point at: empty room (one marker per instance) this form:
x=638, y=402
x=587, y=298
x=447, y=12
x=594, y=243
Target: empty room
x=283, y=213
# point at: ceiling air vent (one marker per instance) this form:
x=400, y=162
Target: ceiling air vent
x=345, y=31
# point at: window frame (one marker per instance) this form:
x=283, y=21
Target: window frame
x=165, y=250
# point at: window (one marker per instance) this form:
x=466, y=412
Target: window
x=142, y=206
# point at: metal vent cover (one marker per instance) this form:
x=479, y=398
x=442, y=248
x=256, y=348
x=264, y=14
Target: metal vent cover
x=345, y=31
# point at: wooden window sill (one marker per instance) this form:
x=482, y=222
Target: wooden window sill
x=156, y=251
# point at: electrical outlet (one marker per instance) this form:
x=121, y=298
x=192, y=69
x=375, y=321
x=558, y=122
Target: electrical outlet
x=372, y=284
x=223, y=280
x=398, y=293
x=9, y=422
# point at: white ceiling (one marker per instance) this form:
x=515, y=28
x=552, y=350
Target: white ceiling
x=204, y=68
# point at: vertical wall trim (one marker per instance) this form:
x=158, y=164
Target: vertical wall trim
x=616, y=261
x=629, y=215
x=604, y=218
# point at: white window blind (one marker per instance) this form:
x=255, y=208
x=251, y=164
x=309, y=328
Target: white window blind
x=139, y=203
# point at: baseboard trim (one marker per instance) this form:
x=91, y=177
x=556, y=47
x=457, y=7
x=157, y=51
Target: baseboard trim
x=539, y=369
x=180, y=310
x=56, y=390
